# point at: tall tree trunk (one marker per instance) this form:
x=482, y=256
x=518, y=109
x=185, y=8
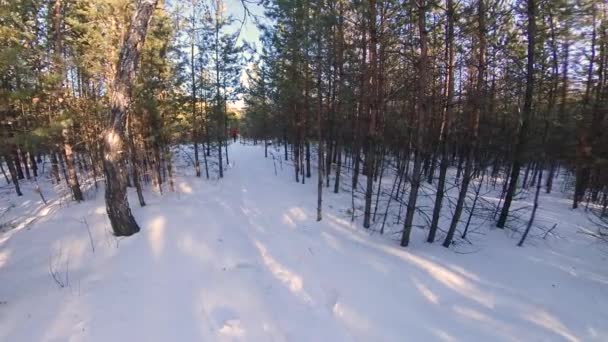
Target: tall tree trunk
x=330, y=152
x=526, y=113
x=17, y=163
x=361, y=110
x=13, y=173
x=379, y=191
x=59, y=99
x=205, y=162
x=156, y=164
x=225, y=135
x=445, y=122
x=24, y=160
x=472, y=211
x=549, y=181
x=117, y=205
x=338, y=170
x=473, y=124
x=217, y=86
x=372, y=110
x=54, y=167
x=195, y=135
x=296, y=151
x=584, y=145
x=62, y=166
x=307, y=145
x=285, y=144
x=219, y=154
x=587, y=168
x=421, y=116
x=8, y=181
x=337, y=94
x=135, y=167
x=534, y=208
x=321, y=162
x=69, y=161
x=197, y=163
x=34, y=164
x=168, y=160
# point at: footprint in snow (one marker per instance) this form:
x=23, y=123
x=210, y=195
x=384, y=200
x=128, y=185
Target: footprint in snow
x=242, y=265
x=227, y=322
x=332, y=299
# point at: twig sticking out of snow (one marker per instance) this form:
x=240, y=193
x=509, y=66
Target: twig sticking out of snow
x=39, y=191
x=549, y=231
x=62, y=279
x=84, y=221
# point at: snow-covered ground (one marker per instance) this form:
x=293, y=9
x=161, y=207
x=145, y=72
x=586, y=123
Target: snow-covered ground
x=243, y=259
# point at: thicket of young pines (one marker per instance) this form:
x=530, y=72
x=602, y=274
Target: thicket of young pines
x=444, y=92
x=513, y=91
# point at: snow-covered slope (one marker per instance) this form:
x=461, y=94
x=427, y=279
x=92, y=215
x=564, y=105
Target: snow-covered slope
x=243, y=259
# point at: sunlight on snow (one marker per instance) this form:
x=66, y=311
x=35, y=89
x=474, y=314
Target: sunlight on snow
x=489, y=322
x=156, y=235
x=549, y=322
x=463, y=272
x=288, y=221
x=443, y=336
x=292, y=215
x=5, y=237
x=232, y=328
x=351, y=317
x=185, y=188
x=426, y=292
x=45, y=211
x=446, y=277
x=440, y=273
x=4, y=255
x=291, y=280
x=298, y=214
x=332, y=241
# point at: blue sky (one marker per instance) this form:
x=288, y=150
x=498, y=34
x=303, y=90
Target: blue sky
x=249, y=31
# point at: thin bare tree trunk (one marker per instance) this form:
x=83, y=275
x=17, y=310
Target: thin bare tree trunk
x=135, y=167
x=534, y=208
x=8, y=181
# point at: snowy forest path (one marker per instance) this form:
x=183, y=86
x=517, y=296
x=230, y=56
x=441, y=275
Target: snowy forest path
x=244, y=259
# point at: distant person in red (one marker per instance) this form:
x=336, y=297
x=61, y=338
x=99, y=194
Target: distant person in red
x=235, y=133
